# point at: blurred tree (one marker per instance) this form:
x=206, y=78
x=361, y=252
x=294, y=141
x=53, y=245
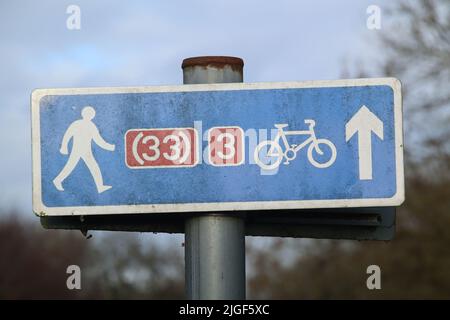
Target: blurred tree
x=127, y=268
x=33, y=262
x=418, y=53
x=416, y=263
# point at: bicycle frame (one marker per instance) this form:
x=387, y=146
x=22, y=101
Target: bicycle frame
x=290, y=151
x=283, y=135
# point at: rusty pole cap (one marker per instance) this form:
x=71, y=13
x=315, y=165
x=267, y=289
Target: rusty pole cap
x=214, y=61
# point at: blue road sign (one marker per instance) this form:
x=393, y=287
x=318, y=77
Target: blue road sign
x=221, y=147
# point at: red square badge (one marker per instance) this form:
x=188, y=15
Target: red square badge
x=226, y=146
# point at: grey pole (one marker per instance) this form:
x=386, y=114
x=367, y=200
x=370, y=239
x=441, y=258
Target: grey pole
x=214, y=243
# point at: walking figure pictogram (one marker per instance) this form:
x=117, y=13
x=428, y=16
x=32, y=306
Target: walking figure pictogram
x=83, y=131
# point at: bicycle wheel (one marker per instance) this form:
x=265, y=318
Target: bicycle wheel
x=271, y=162
x=322, y=144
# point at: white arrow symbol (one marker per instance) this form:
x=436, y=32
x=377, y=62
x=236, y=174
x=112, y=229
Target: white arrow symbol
x=364, y=122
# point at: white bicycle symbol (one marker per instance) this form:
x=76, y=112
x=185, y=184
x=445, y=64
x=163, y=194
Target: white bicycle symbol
x=276, y=152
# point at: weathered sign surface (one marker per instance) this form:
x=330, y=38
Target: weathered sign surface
x=316, y=144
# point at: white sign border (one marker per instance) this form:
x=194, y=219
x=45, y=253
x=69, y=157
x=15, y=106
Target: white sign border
x=41, y=210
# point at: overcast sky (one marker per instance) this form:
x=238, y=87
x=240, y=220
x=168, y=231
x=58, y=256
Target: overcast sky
x=133, y=43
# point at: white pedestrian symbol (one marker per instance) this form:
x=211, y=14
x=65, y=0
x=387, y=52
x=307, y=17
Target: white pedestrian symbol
x=83, y=131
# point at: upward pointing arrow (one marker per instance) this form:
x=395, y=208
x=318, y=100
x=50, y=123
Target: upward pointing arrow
x=364, y=122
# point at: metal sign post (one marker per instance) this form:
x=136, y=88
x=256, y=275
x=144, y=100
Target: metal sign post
x=214, y=244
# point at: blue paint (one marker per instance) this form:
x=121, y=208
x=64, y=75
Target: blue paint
x=331, y=108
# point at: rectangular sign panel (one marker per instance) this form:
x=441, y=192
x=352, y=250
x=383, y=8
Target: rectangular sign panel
x=220, y=147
